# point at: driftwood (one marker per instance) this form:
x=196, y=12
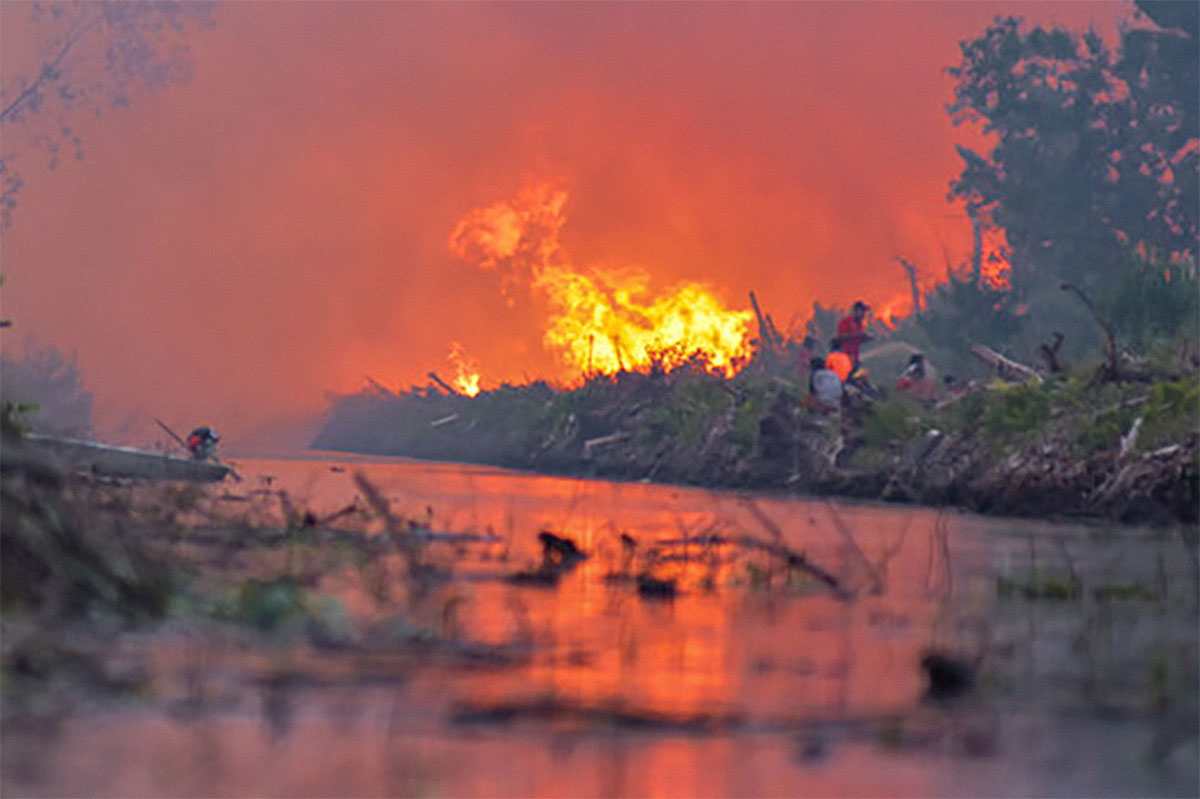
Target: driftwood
x=602, y=441
x=1129, y=440
x=1006, y=368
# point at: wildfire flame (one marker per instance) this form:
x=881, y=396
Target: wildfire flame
x=995, y=271
x=466, y=380
x=601, y=321
x=895, y=309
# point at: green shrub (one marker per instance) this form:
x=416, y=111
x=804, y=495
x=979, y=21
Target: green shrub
x=893, y=420
x=1016, y=414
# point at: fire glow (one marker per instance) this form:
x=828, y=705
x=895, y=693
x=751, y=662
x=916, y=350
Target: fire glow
x=466, y=378
x=601, y=321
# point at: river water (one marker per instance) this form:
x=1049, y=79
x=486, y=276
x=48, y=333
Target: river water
x=754, y=680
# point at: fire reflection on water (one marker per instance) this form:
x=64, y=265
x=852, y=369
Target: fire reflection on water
x=753, y=679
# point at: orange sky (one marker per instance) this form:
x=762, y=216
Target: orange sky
x=231, y=249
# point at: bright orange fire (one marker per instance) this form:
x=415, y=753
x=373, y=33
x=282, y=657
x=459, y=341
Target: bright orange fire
x=602, y=321
x=995, y=269
x=466, y=379
x=895, y=309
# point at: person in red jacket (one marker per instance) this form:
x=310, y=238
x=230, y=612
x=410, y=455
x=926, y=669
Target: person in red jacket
x=851, y=331
x=202, y=442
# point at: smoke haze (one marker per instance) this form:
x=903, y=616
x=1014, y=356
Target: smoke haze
x=231, y=249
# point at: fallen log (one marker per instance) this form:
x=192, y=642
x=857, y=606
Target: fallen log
x=603, y=441
x=1006, y=368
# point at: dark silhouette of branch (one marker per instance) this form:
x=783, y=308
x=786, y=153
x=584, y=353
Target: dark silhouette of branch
x=1049, y=353
x=50, y=70
x=1110, y=339
x=911, y=271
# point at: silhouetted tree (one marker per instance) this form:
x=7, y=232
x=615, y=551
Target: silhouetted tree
x=92, y=56
x=46, y=379
x=1094, y=153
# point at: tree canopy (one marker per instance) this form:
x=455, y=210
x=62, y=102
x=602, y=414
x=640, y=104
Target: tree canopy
x=91, y=57
x=1095, y=152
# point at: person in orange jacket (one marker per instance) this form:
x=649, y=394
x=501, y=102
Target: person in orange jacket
x=838, y=361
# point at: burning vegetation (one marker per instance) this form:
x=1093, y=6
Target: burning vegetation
x=600, y=321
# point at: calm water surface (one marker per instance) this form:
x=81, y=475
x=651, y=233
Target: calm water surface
x=753, y=681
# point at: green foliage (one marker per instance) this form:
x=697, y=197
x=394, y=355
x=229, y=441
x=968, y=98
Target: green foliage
x=1152, y=301
x=43, y=379
x=1038, y=586
x=1102, y=429
x=744, y=428
x=267, y=604
x=689, y=411
x=961, y=312
x=1171, y=413
x=1013, y=415
x=14, y=416
x=893, y=421
x=285, y=607
x=1102, y=415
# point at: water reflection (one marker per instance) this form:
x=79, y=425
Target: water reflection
x=753, y=679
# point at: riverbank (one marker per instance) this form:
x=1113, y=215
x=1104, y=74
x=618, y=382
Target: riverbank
x=1064, y=446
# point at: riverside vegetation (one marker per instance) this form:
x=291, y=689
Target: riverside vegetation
x=1069, y=443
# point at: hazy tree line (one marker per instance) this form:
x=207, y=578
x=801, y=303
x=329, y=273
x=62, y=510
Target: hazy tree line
x=1093, y=179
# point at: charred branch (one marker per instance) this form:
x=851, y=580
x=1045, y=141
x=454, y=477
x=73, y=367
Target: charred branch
x=443, y=385
x=765, y=339
x=1049, y=353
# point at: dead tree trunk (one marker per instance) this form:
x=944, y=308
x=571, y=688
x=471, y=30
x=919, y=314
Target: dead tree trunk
x=1111, y=370
x=765, y=341
x=977, y=243
x=911, y=271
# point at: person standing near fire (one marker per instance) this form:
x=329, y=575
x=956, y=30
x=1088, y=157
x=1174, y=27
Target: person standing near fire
x=852, y=332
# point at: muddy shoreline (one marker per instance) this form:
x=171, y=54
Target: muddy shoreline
x=1036, y=486
x=787, y=450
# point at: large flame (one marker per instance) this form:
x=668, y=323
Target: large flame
x=601, y=321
